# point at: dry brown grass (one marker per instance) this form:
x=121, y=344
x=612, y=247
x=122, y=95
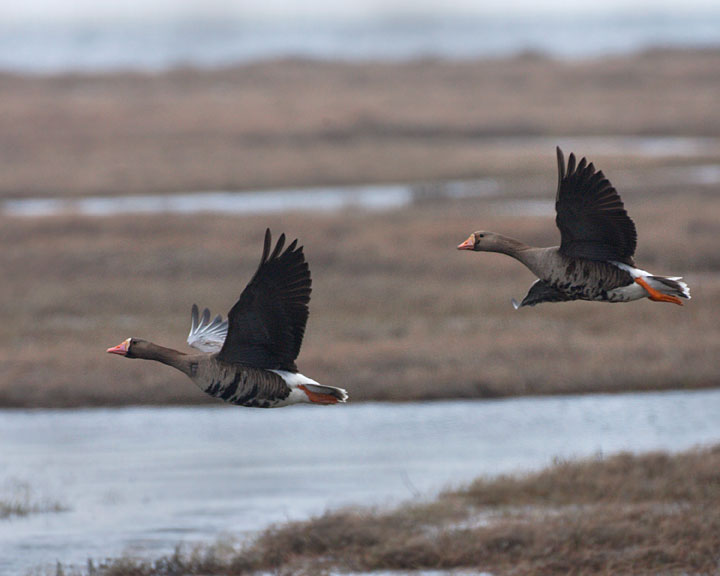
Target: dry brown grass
x=293, y=123
x=396, y=314
x=17, y=499
x=639, y=515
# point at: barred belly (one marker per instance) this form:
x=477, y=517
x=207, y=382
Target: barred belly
x=243, y=386
x=590, y=280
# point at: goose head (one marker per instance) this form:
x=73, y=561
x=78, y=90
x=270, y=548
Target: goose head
x=482, y=241
x=137, y=348
x=131, y=348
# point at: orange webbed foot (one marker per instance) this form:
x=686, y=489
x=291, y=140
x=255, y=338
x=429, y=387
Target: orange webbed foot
x=656, y=296
x=318, y=397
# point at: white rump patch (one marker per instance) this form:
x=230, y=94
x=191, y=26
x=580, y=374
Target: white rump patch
x=294, y=378
x=634, y=272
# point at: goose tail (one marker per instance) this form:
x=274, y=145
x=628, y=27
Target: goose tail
x=304, y=389
x=671, y=286
x=656, y=288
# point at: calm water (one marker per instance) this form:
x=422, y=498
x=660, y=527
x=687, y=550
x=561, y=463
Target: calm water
x=85, y=38
x=142, y=480
x=390, y=197
x=370, y=198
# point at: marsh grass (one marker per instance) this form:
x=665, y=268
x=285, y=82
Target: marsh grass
x=396, y=313
x=625, y=514
x=17, y=499
x=301, y=122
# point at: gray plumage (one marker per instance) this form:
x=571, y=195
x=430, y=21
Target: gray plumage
x=594, y=260
x=562, y=278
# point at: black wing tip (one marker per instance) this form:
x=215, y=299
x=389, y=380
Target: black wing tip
x=564, y=172
x=573, y=166
x=561, y=165
x=278, y=250
x=266, y=246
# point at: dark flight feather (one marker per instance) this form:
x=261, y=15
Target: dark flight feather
x=267, y=324
x=591, y=216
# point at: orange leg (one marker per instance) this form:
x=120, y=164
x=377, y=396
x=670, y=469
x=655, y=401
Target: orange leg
x=658, y=296
x=317, y=397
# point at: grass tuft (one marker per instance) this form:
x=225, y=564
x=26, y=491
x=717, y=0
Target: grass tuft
x=20, y=501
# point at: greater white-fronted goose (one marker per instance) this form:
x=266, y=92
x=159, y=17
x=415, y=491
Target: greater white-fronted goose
x=249, y=359
x=597, y=241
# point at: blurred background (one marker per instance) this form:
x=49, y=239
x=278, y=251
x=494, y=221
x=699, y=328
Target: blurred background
x=145, y=147
x=52, y=35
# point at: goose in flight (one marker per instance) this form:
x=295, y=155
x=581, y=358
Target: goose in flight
x=597, y=241
x=249, y=359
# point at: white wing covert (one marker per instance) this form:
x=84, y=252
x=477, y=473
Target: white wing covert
x=205, y=335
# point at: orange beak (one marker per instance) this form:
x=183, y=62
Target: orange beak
x=120, y=349
x=469, y=244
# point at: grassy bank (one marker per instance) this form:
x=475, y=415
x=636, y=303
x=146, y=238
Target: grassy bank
x=626, y=514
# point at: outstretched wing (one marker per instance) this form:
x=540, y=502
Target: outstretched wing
x=267, y=323
x=205, y=335
x=591, y=217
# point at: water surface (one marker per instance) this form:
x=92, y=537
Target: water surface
x=141, y=480
x=384, y=197
x=321, y=199
x=100, y=36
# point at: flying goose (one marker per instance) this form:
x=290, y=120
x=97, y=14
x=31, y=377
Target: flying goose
x=249, y=359
x=595, y=258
